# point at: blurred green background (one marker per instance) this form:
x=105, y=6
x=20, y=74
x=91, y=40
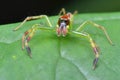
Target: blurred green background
x=14, y=11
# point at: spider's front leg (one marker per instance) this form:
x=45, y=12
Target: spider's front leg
x=26, y=38
x=96, y=52
x=93, y=45
x=29, y=34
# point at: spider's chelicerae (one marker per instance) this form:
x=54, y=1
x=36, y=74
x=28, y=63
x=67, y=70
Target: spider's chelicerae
x=62, y=28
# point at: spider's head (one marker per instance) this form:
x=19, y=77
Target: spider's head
x=63, y=25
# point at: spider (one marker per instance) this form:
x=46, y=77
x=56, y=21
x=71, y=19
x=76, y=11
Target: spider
x=63, y=27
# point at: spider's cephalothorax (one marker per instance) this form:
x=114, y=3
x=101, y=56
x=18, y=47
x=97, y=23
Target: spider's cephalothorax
x=63, y=24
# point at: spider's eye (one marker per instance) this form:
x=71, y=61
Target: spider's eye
x=62, y=20
x=67, y=22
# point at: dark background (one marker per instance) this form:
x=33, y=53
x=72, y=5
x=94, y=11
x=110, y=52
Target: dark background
x=17, y=10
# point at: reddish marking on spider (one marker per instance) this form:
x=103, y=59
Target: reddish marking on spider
x=26, y=33
x=28, y=39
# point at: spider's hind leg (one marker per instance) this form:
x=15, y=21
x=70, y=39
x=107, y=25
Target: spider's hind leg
x=62, y=11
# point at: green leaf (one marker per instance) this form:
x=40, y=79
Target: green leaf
x=61, y=58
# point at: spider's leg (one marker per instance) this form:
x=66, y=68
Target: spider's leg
x=72, y=18
x=25, y=36
x=33, y=18
x=93, y=45
x=97, y=26
x=62, y=11
x=29, y=34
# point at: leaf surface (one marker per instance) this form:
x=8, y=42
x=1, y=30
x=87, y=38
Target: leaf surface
x=61, y=58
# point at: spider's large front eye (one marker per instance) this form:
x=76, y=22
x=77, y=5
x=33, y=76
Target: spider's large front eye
x=67, y=22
